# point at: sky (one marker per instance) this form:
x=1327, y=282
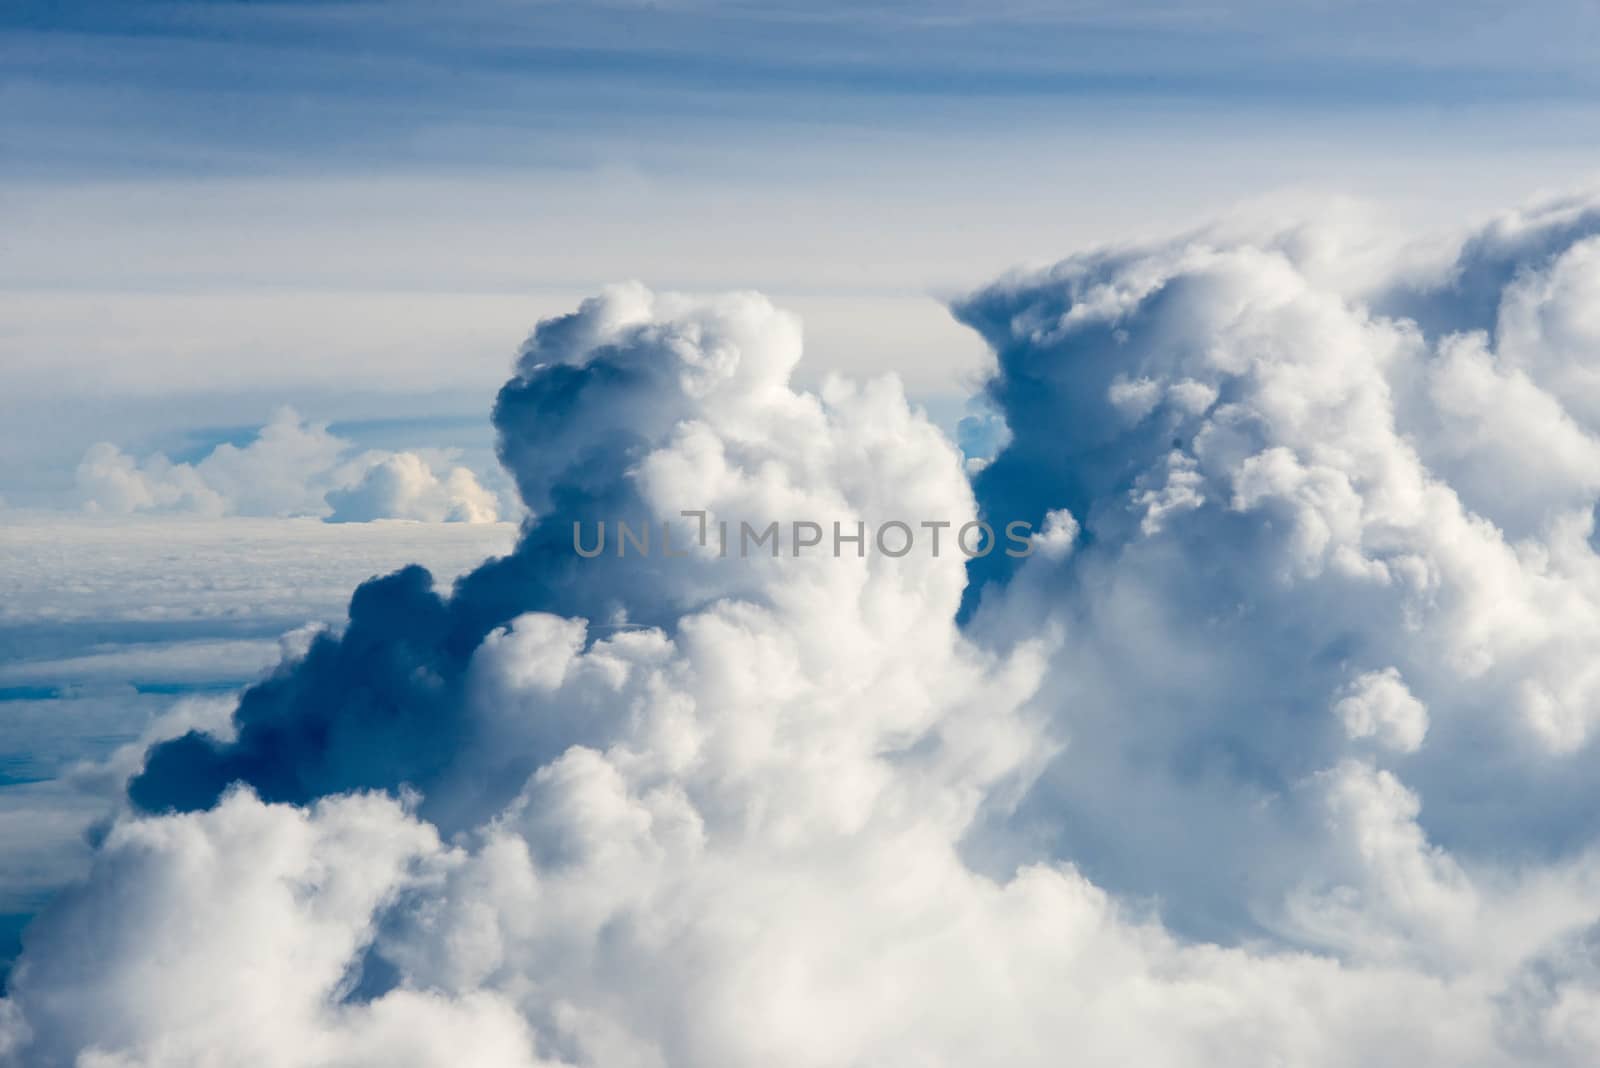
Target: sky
x=1266, y=330
x=357, y=210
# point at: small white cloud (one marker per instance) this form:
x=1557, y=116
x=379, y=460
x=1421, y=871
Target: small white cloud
x=1192, y=397
x=1377, y=705
x=1162, y=494
x=403, y=486
x=1056, y=538
x=1134, y=398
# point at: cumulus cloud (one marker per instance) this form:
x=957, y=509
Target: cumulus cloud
x=291, y=468
x=1378, y=705
x=287, y=897
x=1318, y=506
x=403, y=486
x=1274, y=750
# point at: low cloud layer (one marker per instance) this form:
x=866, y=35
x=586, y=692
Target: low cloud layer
x=291, y=468
x=104, y=619
x=1276, y=750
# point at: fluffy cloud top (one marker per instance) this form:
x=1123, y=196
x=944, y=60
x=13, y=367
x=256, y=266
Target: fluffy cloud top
x=403, y=486
x=291, y=468
x=1275, y=750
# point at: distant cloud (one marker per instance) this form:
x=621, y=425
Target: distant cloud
x=403, y=486
x=292, y=467
x=72, y=574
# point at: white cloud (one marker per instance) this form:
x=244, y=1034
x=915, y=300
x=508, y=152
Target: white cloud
x=112, y=481
x=1378, y=705
x=291, y=468
x=810, y=821
x=1057, y=536
x=403, y=486
x=282, y=900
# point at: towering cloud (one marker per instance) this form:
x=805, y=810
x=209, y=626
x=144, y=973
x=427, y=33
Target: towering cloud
x=634, y=409
x=1292, y=504
x=1274, y=750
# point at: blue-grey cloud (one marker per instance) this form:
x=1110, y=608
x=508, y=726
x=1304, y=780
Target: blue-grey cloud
x=1284, y=495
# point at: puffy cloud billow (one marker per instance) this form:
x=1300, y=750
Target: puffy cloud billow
x=1277, y=749
x=292, y=467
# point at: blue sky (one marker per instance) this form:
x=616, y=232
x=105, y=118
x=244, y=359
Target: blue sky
x=239, y=85
x=358, y=209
